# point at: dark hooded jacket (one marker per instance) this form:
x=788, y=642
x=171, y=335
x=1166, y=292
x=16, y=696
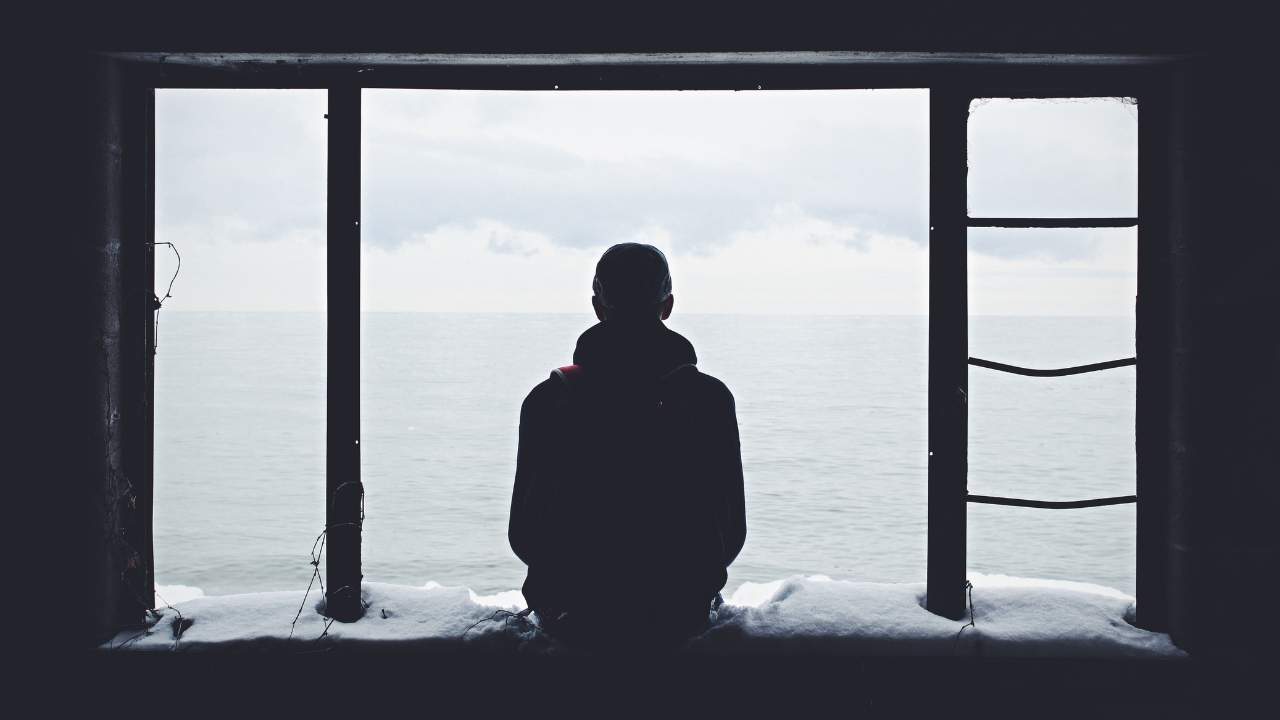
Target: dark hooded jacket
x=628, y=490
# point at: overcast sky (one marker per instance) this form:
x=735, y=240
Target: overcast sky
x=770, y=201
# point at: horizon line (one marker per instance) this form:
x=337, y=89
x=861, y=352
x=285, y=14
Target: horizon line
x=693, y=314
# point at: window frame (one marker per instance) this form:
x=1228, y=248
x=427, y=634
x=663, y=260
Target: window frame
x=952, y=80
x=948, y=343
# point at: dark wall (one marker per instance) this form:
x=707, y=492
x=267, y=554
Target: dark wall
x=1226, y=545
x=57, y=433
x=1229, y=542
x=1133, y=26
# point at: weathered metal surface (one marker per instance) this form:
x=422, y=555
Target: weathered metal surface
x=115, y=565
x=248, y=60
x=137, y=339
x=948, y=352
x=1219, y=313
x=1052, y=372
x=1053, y=222
x=342, y=460
x=1154, y=331
x=1053, y=504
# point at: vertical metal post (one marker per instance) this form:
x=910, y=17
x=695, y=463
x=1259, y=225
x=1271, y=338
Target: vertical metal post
x=345, y=492
x=109, y=600
x=948, y=351
x=1179, y=213
x=137, y=336
x=1154, y=340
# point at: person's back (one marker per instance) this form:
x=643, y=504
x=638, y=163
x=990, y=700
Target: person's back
x=628, y=500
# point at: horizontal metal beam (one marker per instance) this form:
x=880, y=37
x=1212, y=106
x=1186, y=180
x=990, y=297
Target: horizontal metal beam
x=1053, y=372
x=785, y=57
x=1052, y=504
x=970, y=74
x=1052, y=222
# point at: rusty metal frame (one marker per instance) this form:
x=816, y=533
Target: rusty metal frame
x=344, y=489
x=953, y=79
x=1154, y=320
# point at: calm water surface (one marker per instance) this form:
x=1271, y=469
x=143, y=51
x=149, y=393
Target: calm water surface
x=832, y=412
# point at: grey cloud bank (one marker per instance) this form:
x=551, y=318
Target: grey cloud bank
x=241, y=165
x=540, y=177
x=589, y=169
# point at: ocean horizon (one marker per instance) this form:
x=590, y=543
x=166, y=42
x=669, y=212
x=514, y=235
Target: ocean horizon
x=832, y=412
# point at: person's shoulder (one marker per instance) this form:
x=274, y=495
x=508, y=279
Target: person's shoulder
x=711, y=387
x=542, y=395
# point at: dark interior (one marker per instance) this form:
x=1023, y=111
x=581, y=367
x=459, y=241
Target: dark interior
x=1208, y=424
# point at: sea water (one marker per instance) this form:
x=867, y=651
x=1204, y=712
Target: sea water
x=832, y=413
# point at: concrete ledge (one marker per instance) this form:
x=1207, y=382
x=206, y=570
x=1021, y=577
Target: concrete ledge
x=1011, y=617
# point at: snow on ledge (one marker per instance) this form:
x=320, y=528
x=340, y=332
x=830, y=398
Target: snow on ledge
x=1011, y=617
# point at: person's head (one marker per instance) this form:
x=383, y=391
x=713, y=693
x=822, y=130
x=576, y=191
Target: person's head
x=632, y=284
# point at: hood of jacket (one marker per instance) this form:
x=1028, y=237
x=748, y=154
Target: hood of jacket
x=649, y=351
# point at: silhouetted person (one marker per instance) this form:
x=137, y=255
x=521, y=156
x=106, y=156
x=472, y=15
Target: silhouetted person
x=628, y=501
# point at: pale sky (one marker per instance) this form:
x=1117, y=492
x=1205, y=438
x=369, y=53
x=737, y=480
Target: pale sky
x=765, y=202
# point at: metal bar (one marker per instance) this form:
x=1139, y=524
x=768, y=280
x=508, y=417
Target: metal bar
x=1028, y=222
x=258, y=61
x=1053, y=504
x=1053, y=372
x=106, y=511
x=1182, y=215
x=948, y=352
x=1067, y=92
x=342, y=422
x=1154, y=311
x=137, y=336
x=1059, y=76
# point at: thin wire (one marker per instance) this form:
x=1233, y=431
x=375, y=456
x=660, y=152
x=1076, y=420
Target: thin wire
x=968, y=586
x=168, y=293
x=180, y=623
x=522, y=616
x=317, y=552
x=328, y=623
x=132, y=639
x=315, y=574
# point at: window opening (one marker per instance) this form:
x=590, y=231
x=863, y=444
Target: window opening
x=239, y=367
x=795, y=223
x=1080, y=155
x=948, y=389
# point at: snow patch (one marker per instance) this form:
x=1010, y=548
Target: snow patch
x=750, y=594
x=510, y=599
x=1008, y=581
x=507, y=599
x=813, y=614
x=174, y=594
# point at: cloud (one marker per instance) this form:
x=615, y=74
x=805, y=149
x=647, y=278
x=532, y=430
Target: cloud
x=1103, y=282
x=787, y=201
x=1053, y=158
x=1063, y=245
x=247, y=162
x=508, y=244
x=455, y=268
x=794, y=263
x=582, y=168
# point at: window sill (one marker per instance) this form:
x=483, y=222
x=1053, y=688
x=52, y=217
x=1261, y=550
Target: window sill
x=1011, y=617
